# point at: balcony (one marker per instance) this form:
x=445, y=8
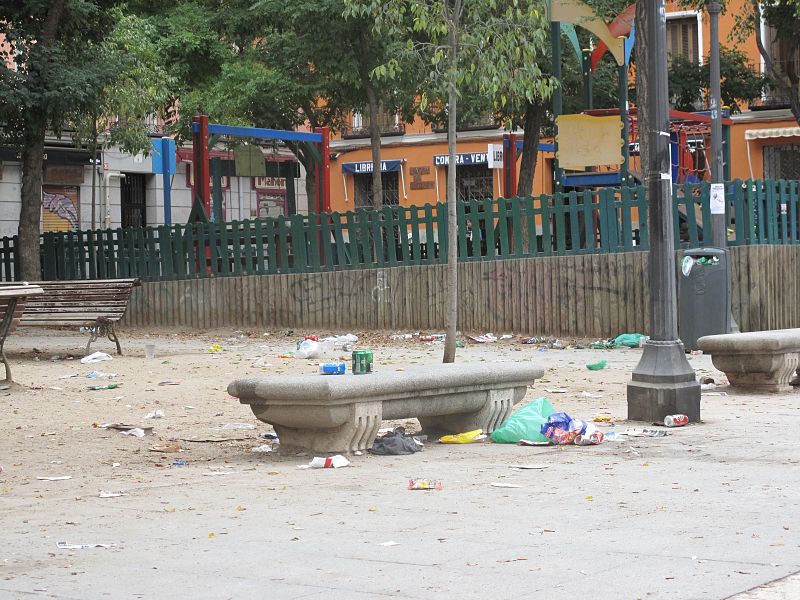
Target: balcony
x=478, y=123
x=773, y=97
x=359, y=126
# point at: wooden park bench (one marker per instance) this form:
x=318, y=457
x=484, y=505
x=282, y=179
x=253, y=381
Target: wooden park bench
x=12, y=304
x=759, y=361
x=342, y=413
x=97, y=304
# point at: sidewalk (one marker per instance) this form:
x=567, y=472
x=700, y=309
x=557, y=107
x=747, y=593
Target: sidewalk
x=708, y=512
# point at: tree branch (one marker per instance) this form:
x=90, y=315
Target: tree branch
x=777, y=76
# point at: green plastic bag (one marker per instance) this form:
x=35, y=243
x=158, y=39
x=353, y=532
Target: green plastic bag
x=525, y=424
x=629, y=340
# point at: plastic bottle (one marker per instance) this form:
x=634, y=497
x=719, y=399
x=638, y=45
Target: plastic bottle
x=675, y=420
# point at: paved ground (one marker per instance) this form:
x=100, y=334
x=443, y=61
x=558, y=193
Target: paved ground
x=708, y=512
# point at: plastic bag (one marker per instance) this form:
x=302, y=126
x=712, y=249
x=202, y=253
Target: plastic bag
x=598, y=366
x=308, y=349
x=560, y=428
x=96, y=357
x=524, y=424
x=629, y=340
x=395, y=442
x=463, y=438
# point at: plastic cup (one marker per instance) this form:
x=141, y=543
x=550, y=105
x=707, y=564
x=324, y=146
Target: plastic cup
x=150, y=350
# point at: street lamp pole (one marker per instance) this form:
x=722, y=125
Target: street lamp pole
x=718, y=226
x=663, y=382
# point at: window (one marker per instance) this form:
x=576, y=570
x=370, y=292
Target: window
x=132, y=189
x=782, y=162
x=682, y=38
x=474, y=182
x=389, y=124
x=363, y=189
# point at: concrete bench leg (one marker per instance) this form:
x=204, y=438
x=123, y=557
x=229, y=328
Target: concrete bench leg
x=758, y=372
x=496, y=409
x=342, y=428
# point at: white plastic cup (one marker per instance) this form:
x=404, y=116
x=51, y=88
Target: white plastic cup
x=150, y=350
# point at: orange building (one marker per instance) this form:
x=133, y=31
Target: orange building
x=764, y=141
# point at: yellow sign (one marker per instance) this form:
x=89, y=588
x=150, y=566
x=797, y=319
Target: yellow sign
x=586, y=141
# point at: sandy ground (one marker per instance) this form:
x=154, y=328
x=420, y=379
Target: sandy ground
x=51, y=418
x=705, y=513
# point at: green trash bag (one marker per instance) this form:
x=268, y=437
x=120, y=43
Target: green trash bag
x=525, y=424
x=629, y=340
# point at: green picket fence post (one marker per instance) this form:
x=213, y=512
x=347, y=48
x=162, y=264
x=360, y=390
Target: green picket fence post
x=391, y=232
x=546, y=208
x=337, y=227
x=431, y=234
x=560, y=214
x=528, y=213
x=738, y=214
x=491, y=240
x=794, y=226
x=586, y=205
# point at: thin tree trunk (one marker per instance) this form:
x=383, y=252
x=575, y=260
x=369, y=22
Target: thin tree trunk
x=785, y=82
x=640, y=45
x=451, y=293
x=31, y=206
x=32, y=152
x=530, y=145
x=375, y=142
x=374, y=123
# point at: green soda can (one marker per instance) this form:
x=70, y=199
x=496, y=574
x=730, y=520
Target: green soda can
x=359, y=362
x=369, y=360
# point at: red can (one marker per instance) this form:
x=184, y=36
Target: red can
x=676, y=420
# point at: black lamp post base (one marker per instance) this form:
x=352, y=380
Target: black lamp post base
x=663, y=383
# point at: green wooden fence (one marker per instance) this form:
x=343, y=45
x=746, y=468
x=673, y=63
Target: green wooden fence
x=588, y=222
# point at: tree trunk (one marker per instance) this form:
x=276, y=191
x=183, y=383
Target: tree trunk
x=640, y=45
x=530, y=145
x=374, y=123
x=311, y=185
x=375, y=142
x=30, y=213
x=787, y=82
x=451, y=292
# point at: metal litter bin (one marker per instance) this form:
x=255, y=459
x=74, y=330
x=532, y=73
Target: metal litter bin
x=704, y=295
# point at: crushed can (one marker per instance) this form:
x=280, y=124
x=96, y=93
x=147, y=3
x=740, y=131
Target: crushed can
x=675, y=420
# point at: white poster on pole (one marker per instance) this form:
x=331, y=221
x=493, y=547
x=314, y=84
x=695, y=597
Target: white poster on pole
x=717, y=198
x=495, y=156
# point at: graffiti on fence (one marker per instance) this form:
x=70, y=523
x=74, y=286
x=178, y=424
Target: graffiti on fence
x=379, y=292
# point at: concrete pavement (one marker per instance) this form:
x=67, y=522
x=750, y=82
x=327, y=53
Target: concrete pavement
x=708, y=512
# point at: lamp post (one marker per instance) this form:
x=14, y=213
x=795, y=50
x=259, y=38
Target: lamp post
x=718, y=226
x=663, y=382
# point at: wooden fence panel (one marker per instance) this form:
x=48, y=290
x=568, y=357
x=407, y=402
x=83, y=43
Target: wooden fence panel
x=592, y=296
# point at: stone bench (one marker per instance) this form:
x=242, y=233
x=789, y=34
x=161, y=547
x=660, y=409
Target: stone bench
x=342, y=413
x=761, y=361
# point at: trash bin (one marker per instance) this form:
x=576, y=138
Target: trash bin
x=704, y=295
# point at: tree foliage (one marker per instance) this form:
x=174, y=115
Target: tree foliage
x=136, y=86
x=689, y=81
x=51, y=73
